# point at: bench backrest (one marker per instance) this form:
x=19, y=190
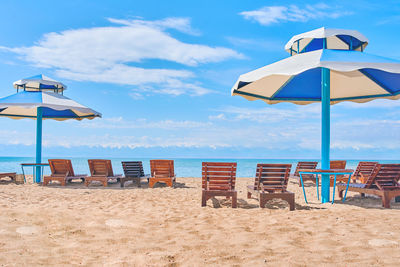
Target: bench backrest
x=272, y=177
x=162, y=168
x=133, y=168
x=219, y=176
x=301, y=165
x=61, y=167
x=384, y=176
x=337, y=164
x=100, y=167
x=365, y=168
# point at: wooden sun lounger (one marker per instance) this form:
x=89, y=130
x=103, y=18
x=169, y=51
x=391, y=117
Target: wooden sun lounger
x=364, y=171
x=338, y=165
x=133, y=171
x=218, y=179
x=271, y=182
x=162, y=170
x=384, y=182
x=11, y=175
x=62, y=171
x=101, y=170
x=301, y=165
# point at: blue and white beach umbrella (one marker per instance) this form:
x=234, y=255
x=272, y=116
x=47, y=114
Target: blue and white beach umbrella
x=39, y=83
x=328, y=66
x=39, y=101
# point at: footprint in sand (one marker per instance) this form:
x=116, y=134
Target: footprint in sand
x=115, y=223
x=381, y=242
x=27, y=230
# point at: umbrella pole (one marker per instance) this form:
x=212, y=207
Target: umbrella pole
x=325, y=136
x=38, y=143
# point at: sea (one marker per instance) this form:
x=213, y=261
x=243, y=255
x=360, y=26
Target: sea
x=184, y=167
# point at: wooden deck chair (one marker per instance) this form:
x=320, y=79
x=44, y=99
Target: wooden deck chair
x=364, y=171
x=62, y=171
x=384, y=182
x=301, y=165
x=133, y=171
x=338, y=165
x=101, y=170
x=11, y=175
x=162, y=170
x=218, y=179
x=271, y=182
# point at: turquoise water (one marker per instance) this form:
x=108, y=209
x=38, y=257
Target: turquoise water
x=183, y=167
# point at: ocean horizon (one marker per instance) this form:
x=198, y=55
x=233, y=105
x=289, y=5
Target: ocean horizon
x=184, y=167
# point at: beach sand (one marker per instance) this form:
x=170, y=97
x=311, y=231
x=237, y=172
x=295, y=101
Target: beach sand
x=98, y=226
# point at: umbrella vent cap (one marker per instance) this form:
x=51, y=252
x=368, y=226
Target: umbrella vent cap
x=323, y=38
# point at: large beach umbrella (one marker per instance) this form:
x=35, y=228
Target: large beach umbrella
x=42, y=99
x=327, y=66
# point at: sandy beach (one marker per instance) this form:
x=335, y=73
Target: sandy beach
x=97, y=226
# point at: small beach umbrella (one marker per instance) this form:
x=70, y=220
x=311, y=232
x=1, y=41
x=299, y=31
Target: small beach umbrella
x=39, y=83
x=327, y=66
x=41, y=99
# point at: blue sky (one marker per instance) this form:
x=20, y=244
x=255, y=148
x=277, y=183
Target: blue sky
x=160, y=72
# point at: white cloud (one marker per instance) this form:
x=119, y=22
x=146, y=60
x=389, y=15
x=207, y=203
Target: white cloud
x=114, y=54
x=272, y=114
x=180, y=24
x=268, y=15
x=121, y=123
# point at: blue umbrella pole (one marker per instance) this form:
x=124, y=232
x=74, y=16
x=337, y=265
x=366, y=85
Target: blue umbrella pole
x=38, y=143
x=325, y=135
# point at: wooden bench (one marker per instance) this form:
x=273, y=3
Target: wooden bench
x=133, y=171
x=384, y=182
x=62, y=171
x=162, y=170
x=305, y=165
x=271, y=182
x=101, y=171
x=11, y=175
x=218, y=179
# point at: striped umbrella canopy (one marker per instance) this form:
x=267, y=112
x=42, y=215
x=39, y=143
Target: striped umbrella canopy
x=327, y=66
x=51, y=105
x=39, y=83
x=40, y=103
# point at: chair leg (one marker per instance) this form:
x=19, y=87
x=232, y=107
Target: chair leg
x=262, y=201
x=62, y=183
x=122, y=183
x=291, y=202
x=248, y=195
x=151, y=183
x=105, y=183
x=386, y=200
x=203, y=199
x=45, y=181
x=138, y=182
x=169, y=183
x=340, y=192
x=234, y=200
x=87, y=182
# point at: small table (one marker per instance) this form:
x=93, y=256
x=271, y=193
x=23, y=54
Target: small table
x=334, y=172
x=33, y=165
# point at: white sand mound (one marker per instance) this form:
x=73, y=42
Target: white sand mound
x=27, y=230
x=381, y=242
